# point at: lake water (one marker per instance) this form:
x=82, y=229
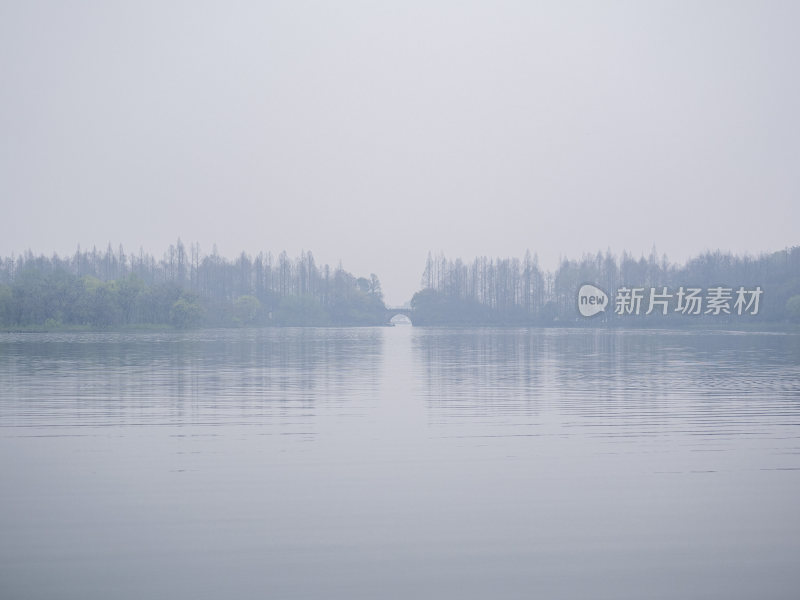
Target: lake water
x=400, y=463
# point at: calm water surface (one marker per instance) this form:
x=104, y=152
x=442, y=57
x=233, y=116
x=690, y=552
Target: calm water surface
x=400, y=463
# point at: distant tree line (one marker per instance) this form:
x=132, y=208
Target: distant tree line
x=184, y=288
x=517, y=291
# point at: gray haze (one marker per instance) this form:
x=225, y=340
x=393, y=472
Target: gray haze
x=372, y=132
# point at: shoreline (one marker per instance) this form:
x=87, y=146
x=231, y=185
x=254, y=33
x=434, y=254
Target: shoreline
x=784, y=328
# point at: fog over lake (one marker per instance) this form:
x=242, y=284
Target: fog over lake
x=219, y=220
x=399, y=462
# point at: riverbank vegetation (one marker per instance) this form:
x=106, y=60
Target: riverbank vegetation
x=516, y=291
x=185, y=288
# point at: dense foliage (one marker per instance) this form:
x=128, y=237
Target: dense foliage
x=188, y=289
x=183, y=289
x=514, y=291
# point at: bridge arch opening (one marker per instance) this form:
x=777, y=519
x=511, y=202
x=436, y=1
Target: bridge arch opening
x=401, y=320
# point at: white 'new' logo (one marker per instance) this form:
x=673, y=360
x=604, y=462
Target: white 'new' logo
x=591, y=300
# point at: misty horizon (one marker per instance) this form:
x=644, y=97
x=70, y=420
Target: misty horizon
x=274, y=255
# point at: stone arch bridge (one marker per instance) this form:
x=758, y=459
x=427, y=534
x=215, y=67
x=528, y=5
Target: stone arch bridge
x=392, y=312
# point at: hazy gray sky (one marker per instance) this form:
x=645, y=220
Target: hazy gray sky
x=372, y=132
